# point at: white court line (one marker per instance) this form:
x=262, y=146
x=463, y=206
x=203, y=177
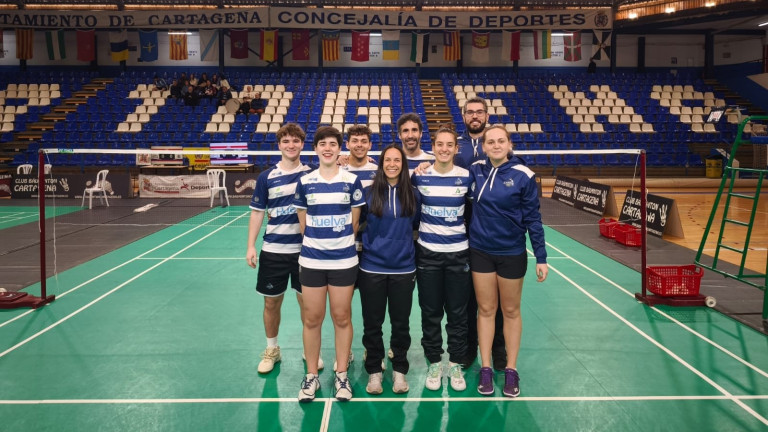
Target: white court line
x=75, y=288
x=101, y=297
x=194, y=258
x=668, y=351
x=160, y=401
x=669, y=317
x=326, y=415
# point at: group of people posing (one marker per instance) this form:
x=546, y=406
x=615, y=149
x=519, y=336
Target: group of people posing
x=452, y=222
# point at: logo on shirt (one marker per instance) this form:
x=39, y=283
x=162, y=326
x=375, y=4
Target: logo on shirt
x=509, y=183
x=457, y=182
x=448, y=213
x=345, y=188
x=357, y=195
x=338, y=223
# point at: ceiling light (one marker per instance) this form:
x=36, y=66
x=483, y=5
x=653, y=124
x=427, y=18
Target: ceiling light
x=562, y=34
x=633, y=15
x=179, y=33
x=669, y=10
x=763, y=24
x=710, y=4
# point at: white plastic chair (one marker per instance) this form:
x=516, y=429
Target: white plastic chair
x=24, y=169
x=217, y=182
x=98, y=187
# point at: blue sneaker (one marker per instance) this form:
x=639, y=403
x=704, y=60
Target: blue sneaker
x=511, y=383
x=485, y=386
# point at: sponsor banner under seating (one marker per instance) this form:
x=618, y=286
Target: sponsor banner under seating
x=585, y=195
x=5, y=185
x=662, y=215
x=239, y=185
x=69, y=186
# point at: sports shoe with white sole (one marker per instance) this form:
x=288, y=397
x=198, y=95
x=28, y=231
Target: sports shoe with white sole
x=374, y=383
x=269, y=357
x=320, y=363
x=400, y=384
x=309, y=386
x=343, y=388
x=434, y=376
x=456, y=377
x=349, y=361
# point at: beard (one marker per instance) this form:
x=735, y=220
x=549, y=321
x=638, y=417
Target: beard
x=476, y=130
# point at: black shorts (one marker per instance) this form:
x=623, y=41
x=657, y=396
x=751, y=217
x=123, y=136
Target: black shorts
x=274, y=271
x=506, y=266
x=315, y=278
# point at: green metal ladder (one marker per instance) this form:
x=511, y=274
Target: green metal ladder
x=728, y=179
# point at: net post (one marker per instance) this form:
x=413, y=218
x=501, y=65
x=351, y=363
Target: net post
x=643, y=224
x=44, y=298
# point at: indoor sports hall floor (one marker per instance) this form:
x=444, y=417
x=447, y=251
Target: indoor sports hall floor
x=165, y=332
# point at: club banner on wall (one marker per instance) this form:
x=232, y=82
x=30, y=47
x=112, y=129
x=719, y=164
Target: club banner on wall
x=310, y=18
x=69, y=186
x=662, y=215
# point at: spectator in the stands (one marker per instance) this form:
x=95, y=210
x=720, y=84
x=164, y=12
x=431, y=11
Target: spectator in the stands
x=224, y=95
x=176, y=89
x=245, y=106
x=192, y=98
x=159, y=83
x=257, y=104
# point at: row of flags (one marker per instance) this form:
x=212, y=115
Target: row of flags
x=239, y=49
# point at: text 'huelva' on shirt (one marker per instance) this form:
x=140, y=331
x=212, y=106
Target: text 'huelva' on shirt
x=443, y=199
x=329, y=238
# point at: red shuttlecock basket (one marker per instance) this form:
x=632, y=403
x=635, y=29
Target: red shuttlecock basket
x=627, y=235
x=669, y=281
x=608, y=227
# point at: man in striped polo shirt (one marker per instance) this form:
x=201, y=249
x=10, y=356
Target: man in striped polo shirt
x=279, y=256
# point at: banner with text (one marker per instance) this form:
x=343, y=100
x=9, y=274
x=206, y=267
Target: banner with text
x=304, y=18
x=69, y=186
x=662, y=215
x=239, y=185
x=585, y=195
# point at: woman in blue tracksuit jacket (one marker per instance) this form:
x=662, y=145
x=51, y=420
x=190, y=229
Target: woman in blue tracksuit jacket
x=505, y=206
x=387, y=274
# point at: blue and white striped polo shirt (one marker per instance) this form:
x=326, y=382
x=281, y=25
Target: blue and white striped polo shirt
x=365, y=173
x=415, y=161
x=329, y=240
x=274, y=193
x=442, y=209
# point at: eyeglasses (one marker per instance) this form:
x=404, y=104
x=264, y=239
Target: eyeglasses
x=471, y=113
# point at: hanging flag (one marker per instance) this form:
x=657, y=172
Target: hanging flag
x=148, y=43
x=572, y=47
x=542, y=44
x=2, y=49
x=601, y=45
x=481, y=42
x=361, y=42
x=25, y=44
x=54, y=42
x=86, y=45
x=510, y=46
x=451, y=46
x=238, y=44
x=300, y=44
x=419, y=47
x=118, y=45
x=390, y=44
x=209, y=45
x=268, y=46
x=330, y=45
x=178, y=45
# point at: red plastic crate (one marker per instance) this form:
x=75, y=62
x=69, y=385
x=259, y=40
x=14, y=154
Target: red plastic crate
x=668, y=281
x=627, y=235
x=608, y=227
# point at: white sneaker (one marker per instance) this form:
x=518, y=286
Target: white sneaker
x=374, y=383
x=269, y=357
x=434, y=376
x=343, y=388
x=320, y=364
x=349, y=361
x=383, y=363
x=309, y=386
x=456, y=377
x=400, y=384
